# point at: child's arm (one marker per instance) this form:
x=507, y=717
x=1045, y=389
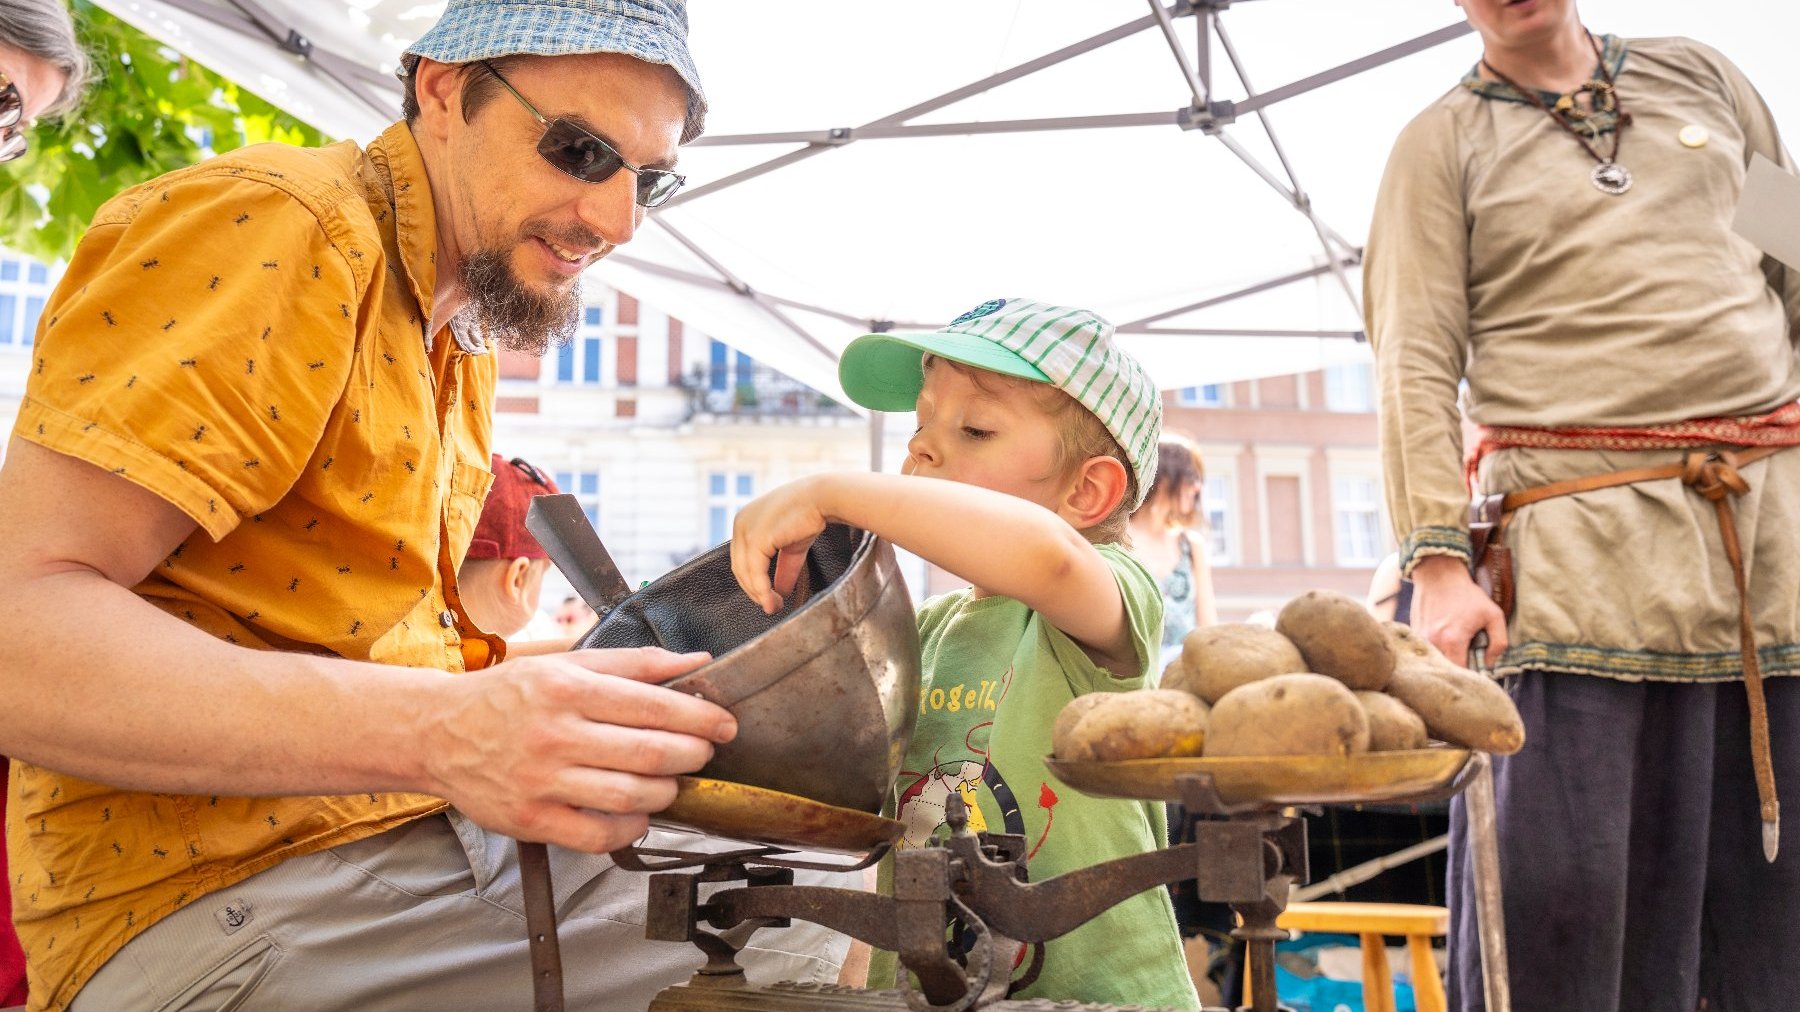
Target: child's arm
x=1000, y=543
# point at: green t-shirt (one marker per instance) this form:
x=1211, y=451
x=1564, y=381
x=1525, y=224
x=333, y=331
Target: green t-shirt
x=995, y=677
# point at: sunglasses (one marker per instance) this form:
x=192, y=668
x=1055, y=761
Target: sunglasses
x=12, y=115
x=588, y=158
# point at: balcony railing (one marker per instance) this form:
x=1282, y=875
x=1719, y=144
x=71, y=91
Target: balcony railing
x=759, y=391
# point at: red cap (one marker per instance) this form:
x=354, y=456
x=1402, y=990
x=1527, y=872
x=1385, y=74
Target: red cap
x=501, y=533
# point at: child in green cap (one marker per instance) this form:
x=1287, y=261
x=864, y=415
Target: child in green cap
x=1037, y=438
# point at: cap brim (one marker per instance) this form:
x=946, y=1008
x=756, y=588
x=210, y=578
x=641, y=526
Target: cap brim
x=885, y=372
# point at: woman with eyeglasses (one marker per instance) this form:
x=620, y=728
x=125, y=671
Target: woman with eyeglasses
x=42, y=68
x=42, y=71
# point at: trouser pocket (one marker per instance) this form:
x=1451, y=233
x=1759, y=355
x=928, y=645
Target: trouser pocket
x=230, y=983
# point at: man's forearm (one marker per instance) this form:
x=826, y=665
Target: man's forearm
x=140, y=700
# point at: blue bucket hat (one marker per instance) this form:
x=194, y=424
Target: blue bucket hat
x=654, y=31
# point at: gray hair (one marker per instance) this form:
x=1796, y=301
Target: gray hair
x=44, y=29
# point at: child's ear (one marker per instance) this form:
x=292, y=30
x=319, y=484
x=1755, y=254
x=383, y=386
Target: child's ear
x=1099, y=485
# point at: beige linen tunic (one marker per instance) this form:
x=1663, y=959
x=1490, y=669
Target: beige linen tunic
x=1493, y=258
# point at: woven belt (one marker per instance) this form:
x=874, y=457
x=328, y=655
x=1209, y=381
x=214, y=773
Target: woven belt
x=1715, y=476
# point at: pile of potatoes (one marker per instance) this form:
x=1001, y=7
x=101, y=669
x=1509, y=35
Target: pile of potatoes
x=1329, y=679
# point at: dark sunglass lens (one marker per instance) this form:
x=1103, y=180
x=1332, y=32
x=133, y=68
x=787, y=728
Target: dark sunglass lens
x=12, y=106
x=11, y=147
x=579, y=153
x=655, y=187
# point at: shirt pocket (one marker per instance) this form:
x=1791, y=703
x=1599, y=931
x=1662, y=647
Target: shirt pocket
x=469, y=486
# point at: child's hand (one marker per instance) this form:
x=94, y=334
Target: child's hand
x=780, y=525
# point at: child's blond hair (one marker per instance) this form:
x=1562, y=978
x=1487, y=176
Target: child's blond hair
x=1082, y=437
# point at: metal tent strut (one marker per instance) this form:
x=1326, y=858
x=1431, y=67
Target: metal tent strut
x=1203, y=113
x=366, y=85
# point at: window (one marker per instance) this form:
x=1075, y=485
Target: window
x=1350, y=387
x=1211, y=395
x=37, y=274
x=9, y=269
x=726, y=493
x=8, y=309
x=1356, y=509
x=1219, y=501
x=34, y=308
x=728, y=369
x=585, y=487
x=583, y=359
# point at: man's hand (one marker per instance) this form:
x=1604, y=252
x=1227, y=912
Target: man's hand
x=1449, y=609
x=572, y=749
x=780, y=525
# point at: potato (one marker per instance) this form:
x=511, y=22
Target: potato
x=1393, y=726
x=1061, y=740
x=1458, y=705
x=1145, y=724
x=1218, y=658
x=1304, y=714
x=1338, y=637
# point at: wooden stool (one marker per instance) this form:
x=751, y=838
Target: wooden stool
x=1369, y=922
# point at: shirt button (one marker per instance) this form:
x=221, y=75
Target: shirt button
x=446, y=618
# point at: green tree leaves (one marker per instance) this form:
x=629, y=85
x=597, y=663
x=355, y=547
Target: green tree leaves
x=150, y=110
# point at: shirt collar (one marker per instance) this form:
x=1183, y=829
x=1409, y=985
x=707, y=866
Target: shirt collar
x=408, y=188
x=1612, y=56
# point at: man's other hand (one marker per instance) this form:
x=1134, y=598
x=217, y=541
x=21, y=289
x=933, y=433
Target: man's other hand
x=1449, y=609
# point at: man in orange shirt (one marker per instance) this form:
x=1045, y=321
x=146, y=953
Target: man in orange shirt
x=251, y=455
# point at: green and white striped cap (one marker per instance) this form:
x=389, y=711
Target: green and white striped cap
x=1072, y=349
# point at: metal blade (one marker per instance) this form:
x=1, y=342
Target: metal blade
x=559, y=524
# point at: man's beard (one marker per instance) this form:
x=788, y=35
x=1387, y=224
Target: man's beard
x=513, y=314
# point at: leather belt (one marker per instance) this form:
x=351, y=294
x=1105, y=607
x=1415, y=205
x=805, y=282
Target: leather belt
x=540, y=925
x=1715, y=476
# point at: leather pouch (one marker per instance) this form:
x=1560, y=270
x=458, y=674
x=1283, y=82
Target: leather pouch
x=1491, y=561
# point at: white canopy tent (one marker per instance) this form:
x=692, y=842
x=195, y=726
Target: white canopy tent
x=867, y=166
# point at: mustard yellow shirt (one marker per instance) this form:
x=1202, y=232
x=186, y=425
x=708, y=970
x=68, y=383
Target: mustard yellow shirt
x=247, y=339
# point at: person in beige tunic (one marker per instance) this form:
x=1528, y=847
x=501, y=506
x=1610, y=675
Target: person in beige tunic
x=1571, y=260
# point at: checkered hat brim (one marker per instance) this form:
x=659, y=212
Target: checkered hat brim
x=1072, y=349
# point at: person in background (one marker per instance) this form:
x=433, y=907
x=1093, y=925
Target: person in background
x=1390, y=595
x=502, y=576
x=1166, y=539
x=574, y=617
x=1556, y=230
x=43, y=71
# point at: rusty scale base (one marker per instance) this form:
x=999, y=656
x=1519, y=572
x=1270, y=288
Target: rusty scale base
x=1248, y=857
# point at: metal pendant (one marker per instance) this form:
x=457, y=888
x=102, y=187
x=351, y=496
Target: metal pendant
x=1611, y=177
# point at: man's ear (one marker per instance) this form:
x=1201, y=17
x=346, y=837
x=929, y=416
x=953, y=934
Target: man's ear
x=438, y=88
x=1100, y=484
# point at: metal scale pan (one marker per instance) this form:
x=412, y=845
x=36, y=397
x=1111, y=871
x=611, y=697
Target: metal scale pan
x=825, y=691
x=1275, y=781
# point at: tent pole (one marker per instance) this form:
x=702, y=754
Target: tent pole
x=948, y=98
x=739, y=286
x=1256, y=289
x=1354, y=67
x=1301, y=200
x=1356, y=335
x=1168, y=29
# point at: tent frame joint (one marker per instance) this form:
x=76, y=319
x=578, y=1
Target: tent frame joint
x=1215, y=117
